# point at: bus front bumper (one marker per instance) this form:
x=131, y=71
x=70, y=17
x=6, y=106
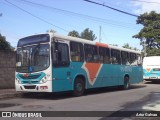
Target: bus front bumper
x=151, y=78
x=45, y=87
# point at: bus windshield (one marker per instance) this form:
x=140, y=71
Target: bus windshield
x=33, y=40
x=32, y=58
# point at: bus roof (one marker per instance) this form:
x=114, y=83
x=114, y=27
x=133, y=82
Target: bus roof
x=70, y=38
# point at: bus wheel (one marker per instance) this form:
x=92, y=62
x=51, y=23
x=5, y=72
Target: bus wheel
x=126, y=83
x=79, y=87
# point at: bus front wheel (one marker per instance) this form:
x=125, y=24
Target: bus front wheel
x=126, y=82
x=79, y=87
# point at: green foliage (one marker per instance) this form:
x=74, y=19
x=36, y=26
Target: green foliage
x=74, y=34
x=150, y=31
x=86, y=34
x=126, y=45
x=113, y=44
x=153, y=52
x=4, y=45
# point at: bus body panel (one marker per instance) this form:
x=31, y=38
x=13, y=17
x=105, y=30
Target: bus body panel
x=151, y=68
x=109, y=75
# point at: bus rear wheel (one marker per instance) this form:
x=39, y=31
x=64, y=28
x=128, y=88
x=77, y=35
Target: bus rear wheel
x=79, y=87
x=126, y=83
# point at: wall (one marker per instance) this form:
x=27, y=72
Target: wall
x=7, y=69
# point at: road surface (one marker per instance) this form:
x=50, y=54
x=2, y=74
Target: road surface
x=140, y=97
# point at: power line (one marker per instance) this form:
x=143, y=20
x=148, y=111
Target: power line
x=146, y=1
x=35, y=16
x=109, y=3
x=111, y=8
x=78, y=14
x=65, y=11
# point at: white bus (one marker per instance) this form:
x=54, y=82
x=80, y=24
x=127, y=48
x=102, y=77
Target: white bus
x=54, y=63
x=151, y=68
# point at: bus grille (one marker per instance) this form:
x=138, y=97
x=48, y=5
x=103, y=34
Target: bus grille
x=156, y=69
x=30, y=87
x=31, y=76
x=30, y=82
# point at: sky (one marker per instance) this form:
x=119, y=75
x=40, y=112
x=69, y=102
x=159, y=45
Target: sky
x=20, y=18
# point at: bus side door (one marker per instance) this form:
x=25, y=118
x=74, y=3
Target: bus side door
x=61, y=66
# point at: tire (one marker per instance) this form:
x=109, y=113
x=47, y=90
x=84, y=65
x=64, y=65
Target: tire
x=79, y=87
x=126, y=83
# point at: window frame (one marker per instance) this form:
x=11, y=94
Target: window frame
x=104, y=55
x=126, y=56
x=116, y=52
x=135, y=60
x=81, y=52
x=56, y=53
x=91, y=55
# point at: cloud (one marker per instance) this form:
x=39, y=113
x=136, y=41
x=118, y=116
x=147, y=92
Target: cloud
x=142, y=7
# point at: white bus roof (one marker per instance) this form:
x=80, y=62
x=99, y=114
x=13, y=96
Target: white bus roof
x=70, y=38
x=151, y=61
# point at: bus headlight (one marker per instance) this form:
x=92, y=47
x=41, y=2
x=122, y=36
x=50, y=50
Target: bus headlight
x=45, y=78
x=18, y=81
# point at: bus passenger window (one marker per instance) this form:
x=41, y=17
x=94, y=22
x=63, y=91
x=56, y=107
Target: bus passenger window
x=101, y=54
x=125, y=58
x=104, y=55
x=76, y=50
x=133, y=59
x=91, y=53
x=107, y=56
x=115, y=56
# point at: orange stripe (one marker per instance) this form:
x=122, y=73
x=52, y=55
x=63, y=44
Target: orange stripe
x=92, y=69
x=101, y=44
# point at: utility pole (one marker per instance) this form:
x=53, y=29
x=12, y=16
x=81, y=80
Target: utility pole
x=144, y=46
x=100, y=33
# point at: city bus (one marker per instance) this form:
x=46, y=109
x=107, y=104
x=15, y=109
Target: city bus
x=52, y=62
x=151, y=68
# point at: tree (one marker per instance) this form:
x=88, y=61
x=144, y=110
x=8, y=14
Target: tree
x=127, y=46
x=4, y=45
x=150, y=31
x=74, y=34
x=153, y=52
x=51, y=30
x=88, y=34
x=114, y=45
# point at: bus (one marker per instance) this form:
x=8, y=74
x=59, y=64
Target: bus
x=151, y=68
x=52, y=62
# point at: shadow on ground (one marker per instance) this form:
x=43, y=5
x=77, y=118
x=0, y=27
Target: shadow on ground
x=142, y=106
x=152, y=82
x=65, y=95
